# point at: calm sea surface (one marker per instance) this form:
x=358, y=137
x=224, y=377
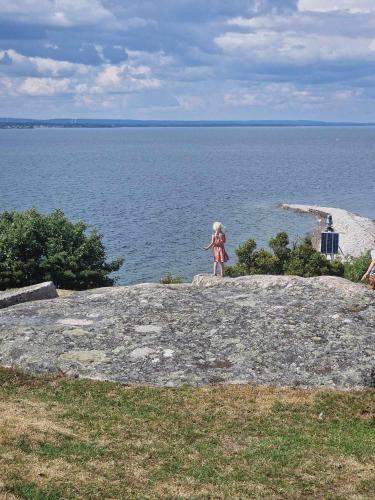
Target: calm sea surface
x=155, y=192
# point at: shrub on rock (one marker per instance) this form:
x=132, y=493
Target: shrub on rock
x=355, y=267
x=301, y=260
x=168, y=279
x=305, y=261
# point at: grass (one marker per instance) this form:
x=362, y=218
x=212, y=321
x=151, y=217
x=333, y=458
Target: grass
x=65, y=439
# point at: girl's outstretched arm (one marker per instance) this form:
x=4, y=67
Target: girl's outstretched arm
x=210, y=245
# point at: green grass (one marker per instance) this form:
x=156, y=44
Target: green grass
x=65, y=438
x=30, y=491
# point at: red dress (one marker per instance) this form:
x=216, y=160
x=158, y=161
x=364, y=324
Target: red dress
x=220, y=255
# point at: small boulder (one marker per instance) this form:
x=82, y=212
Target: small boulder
x=41, y=291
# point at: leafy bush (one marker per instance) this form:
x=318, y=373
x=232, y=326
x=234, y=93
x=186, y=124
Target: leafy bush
x=304, y=260
x=35, y=247
x=355, y=267
x=168, y=279
x=235, y=271
x=301, y=260
x=279, y=246
x=245, y=254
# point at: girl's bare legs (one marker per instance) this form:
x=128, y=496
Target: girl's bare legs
x=215, y=266
x=221, y=264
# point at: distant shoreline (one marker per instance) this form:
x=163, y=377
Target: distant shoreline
x=28, y=123
x=357, y=233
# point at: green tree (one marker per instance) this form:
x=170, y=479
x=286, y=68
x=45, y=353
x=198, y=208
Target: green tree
x=305, y=261
x=301, y=260
x=265, y=263
x=35, y=247
x=252, y=261
x=336, y=267
x=279, y=245
x=245, y=254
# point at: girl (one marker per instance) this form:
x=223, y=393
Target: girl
x=217, y=245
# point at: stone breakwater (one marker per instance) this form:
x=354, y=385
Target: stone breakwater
x=357, y=233
x=270, y=330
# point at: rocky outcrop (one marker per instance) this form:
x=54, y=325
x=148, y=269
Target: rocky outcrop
x=274, y=330
x=41, y=291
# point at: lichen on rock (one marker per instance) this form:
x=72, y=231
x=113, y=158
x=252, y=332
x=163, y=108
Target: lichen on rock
x=269, y=330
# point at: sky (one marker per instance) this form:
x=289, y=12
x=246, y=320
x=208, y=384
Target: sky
x=188, y=59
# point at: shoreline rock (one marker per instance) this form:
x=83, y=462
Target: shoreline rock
x=357, y=233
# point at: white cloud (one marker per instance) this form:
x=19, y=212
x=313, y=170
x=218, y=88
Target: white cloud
x=176, y=69
x=347, y=95
x=56, y=68
x=110, y=76
x=159, y=58
x=276, y=95
x=190, y=102
x=351, y=6
x=44, y=66
x=307, y=23
x=6, y=86
x=44, y=86
x=138, y=22
x=126, y=77
x=321, y=31
x=51, y=46
x=295, y=21
x=241, y=99
x=291, y=47
x=61, y=13
x=37, y=76
x=287, y=95
x=105, y=103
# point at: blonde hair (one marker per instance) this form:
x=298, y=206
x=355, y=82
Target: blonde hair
x=217, y=227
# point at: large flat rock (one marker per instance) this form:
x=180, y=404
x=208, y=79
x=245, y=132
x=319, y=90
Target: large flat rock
x=274, y=330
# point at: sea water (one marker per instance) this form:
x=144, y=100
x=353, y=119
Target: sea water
x=154, y=192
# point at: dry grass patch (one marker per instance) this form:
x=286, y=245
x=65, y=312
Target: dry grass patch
x=6, y=496
x=344, y=477
x=28, y=418
x=194, y=490
x=266, y=398
x=63, y=438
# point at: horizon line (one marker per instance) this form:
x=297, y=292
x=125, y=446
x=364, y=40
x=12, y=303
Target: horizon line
x=70, y=121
